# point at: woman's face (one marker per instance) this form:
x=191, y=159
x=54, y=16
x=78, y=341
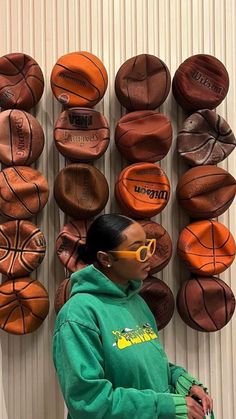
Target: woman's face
x=134, y=236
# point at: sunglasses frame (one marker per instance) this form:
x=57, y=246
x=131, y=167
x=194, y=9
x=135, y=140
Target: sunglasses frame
x=135, y=254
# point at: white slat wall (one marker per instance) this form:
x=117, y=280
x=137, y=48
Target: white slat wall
x=115, y=30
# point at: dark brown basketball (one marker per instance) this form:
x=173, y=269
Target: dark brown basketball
x=142, y=190
x=160, y=300
x=142, y=82
x=205, y=304
x=68, y=241
x=163, y=251
x=206, y=191
x=143, y=136
x=62, y=294
x=205, y=138
x=200, y=82
x=23, y=192
x=21, y=138
x=24, y=304
x=81, y=190
x=22, y=248
x=81, y=134
x=206, y=247
x=21, y=81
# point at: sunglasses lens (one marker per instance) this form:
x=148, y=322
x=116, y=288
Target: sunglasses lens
x=143, y=254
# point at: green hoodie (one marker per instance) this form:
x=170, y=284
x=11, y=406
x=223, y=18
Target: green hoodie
x=108, y=354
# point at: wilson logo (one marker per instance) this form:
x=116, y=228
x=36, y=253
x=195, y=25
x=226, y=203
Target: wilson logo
x=206, y=82
x=152, y=193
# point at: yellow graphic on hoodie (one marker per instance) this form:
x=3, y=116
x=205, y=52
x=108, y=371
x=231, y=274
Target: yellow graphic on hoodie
x=128, y=337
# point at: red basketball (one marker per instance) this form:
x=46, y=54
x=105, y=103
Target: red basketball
x=24, y=304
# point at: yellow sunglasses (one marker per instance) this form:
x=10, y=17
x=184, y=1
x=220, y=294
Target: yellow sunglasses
x=141, y=254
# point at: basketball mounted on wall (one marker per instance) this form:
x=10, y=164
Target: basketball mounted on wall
x=21, y=81
x=79, y=79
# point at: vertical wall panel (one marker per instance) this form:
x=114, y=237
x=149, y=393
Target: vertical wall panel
x=115, y=30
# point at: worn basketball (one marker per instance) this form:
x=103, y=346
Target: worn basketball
x=24, y=304
x=23, y=192
x=62, y=294
x=206, y=247
x=143, y=136
x=81, y=190
x=22, y=248
x=205, y=303
x=81, y=134
x=205, y=138
x=206, y=191
x=163, y=252
x=21, y=138
x=68, y=242
x=142, y=190
x=160, y=300
x=21, y=81
x=200, y=82
x=142, y=82
x=79, y=79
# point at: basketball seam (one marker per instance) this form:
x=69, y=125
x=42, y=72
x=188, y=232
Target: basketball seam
x=89, y=82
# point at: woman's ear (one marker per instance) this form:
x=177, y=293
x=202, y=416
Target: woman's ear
x=104, y=259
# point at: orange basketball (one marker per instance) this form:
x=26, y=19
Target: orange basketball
x=79, y=79
x=62, y=294
x=206, y=247
x=142, y=190
x=24, y=304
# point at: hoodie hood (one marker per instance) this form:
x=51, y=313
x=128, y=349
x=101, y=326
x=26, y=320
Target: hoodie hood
x=91, y=280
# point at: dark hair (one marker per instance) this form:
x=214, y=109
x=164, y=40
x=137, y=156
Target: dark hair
x=103, y=234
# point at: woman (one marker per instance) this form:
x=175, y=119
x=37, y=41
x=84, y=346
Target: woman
x=106, y=347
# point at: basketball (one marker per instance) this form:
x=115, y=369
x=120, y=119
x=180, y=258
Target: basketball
x=79, y=79
x=200, y=82
x=24, y=304
x=21, y=81
x=23, y=192
x=205, y=138
x=143, y=136
x=81, y=190
x=68, y=241
x=81, y=134
x=142, y=82
x=160, y=300
x=206, y=191
x=205, y=303
x=22, y=248
x=62, y=294
x=206, y=247
x=21, y=138
x=142, y=190
x=163, y=252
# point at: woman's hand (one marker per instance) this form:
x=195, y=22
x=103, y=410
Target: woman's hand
x=207, y=402
x=195, y=410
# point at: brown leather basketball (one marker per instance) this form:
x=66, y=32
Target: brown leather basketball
x=142, y=82
x=68, y=241
x=163, y=252
x=81, y=134
x=200, y=82
x=205, y=138
x=160, y=300
x=22, y=248
x=62, y=294
x=24, y=304
x=21, y=81
x=81, y=190
x=205, y=303
x=23, y=192
x=21, y=138
x=142, y=190
x=206, y=191
x=206, y=247
x=143, y=136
